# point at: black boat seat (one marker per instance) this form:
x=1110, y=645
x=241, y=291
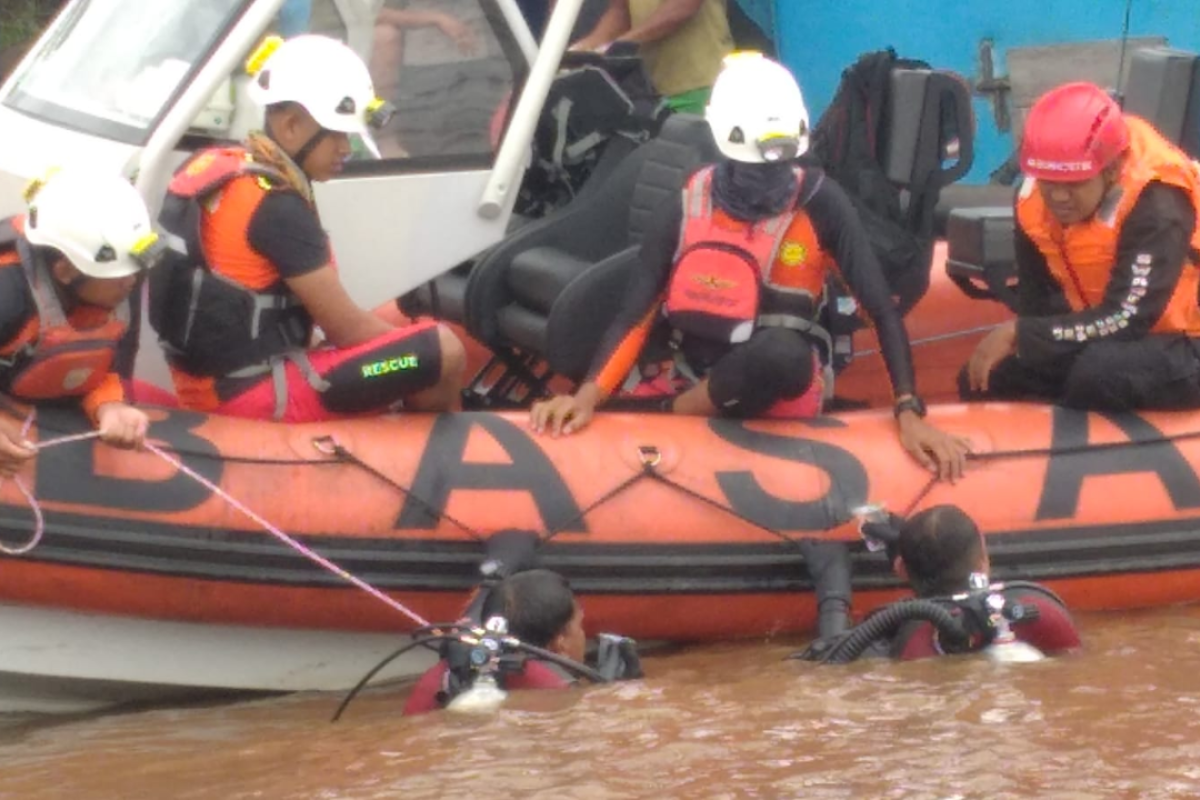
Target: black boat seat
x=1163, y=88
x=552, y=287
x=981, y=254
x=444, y=297
x=959, y=195
x=540, y=274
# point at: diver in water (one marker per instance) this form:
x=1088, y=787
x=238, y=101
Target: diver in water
x=942, y=554
x=939, y=550
x=540, y=610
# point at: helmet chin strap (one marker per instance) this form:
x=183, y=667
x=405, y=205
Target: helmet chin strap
x=303, y=153
x=309, y=146
x=68, y=290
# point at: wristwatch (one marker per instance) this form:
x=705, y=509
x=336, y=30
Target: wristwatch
x=911, y=403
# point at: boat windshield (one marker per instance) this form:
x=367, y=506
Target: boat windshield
x=114, y=66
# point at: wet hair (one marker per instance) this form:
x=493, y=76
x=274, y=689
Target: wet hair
x=940, y=548
x=538, y=605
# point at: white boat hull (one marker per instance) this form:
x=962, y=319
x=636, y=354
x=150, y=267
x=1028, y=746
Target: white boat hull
x=56, y=661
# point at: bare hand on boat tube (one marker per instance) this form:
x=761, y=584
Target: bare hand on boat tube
x=122, y=425
x=14, y=450
x=936, y=450
x=995, y=347
x=565, y=413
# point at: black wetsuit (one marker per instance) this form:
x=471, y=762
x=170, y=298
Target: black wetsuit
x=839, y=232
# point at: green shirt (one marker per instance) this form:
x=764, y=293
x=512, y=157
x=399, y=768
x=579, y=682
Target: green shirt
x=689, y=58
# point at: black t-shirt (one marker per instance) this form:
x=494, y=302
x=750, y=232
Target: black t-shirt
x=286, y=230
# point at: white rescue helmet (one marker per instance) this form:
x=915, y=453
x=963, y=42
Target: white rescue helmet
x=756, y=111
x=97, y=220
x=324, y=76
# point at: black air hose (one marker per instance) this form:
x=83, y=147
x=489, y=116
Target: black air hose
x=885, y=623
x=828, y=565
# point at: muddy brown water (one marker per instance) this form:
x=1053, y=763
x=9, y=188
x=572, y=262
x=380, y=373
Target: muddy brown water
x=1121, y=719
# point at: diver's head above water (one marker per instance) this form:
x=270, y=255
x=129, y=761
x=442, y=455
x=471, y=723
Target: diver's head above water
x=938, y=551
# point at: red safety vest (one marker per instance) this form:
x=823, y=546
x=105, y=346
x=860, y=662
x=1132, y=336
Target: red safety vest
x=731, y=277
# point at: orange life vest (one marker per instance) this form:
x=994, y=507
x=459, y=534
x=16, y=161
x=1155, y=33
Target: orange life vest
x=1082, y=257
x=210, y=325
x=51, y=358
x=731, y=277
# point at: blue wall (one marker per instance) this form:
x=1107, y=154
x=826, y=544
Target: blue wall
x=819, y=38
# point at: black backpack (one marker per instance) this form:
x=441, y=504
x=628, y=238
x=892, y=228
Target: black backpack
x=598, y=110
x=848, y=142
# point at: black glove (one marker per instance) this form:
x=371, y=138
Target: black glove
x=617, y=658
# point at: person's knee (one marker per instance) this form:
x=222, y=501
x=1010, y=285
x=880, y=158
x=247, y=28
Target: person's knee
x=1153, y=374
x=1094, y=383
x=776, y=364
x=453, y=356
x=780, y=360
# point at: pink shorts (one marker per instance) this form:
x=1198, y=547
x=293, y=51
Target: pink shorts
x=370, y=378
x=669, y=383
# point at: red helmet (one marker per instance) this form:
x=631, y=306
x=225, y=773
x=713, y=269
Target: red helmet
x=1072, y=133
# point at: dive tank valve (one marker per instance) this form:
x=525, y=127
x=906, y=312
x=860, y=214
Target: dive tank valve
x=484, y=695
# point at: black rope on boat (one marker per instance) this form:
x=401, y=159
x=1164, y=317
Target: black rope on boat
x=330, y=446
x=7, y=407
x=651, y=457
x=997, y=455
x=658, y=476
x=921, y=495
x=647, y=470
x=649, y=454
x=1050, y=452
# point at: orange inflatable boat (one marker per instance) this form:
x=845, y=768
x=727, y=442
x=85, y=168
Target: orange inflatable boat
x=669, y=528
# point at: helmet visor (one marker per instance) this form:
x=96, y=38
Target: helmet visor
x=776, y=147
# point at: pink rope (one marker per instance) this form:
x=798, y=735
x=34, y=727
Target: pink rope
x=283, y=537
x=39, y=521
